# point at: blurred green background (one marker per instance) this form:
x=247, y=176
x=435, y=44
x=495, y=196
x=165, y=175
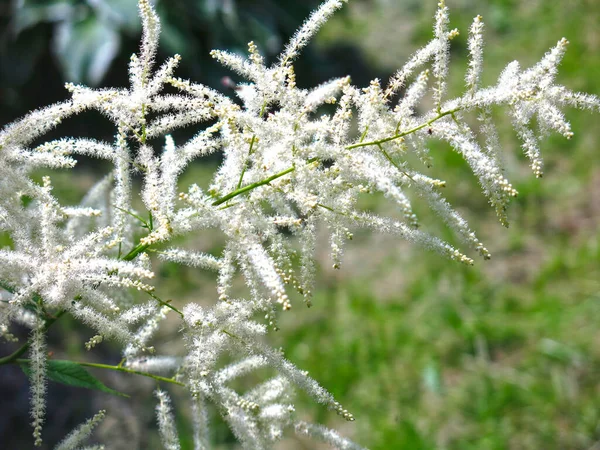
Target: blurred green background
x=427, y=354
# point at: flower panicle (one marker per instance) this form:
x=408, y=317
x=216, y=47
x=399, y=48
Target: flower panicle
x=292, y=166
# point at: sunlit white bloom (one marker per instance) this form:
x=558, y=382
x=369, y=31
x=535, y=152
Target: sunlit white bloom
x=166, y=421
x=81, y=433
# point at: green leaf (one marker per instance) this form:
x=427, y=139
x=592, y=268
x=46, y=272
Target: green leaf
x=86, y=48
x=71, y=374
x=124, y=13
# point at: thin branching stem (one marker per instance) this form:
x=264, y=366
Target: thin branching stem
x=139, y=248
x=404, y=133
x=246, y=162
x=162, y=302
x=117, y=368
x=21, y=351
x=120, y=368
x=252, y=186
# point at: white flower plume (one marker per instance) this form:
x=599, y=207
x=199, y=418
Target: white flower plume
x=291, y=167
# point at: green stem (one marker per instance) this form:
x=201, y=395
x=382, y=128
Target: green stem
x=252, y=186
x=135, y=251
x=231, y=335
x=133, y=215
x=162, y=302
x=239, y=185
x=329, y=208
x=241, y=190
x=364, y=135
x=404, y=133
x=262, y=109
x=19, y=352
x=143, y=137
x=120, y=368
x=389, y=158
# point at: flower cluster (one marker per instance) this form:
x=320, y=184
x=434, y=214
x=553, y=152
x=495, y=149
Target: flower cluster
x=292, y=165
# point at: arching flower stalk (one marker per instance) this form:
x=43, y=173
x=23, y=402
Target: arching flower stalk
x=288, y=171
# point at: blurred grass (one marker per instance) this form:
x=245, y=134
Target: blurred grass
x=428, y=354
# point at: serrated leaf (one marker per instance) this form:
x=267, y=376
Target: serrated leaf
x=72, y=374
